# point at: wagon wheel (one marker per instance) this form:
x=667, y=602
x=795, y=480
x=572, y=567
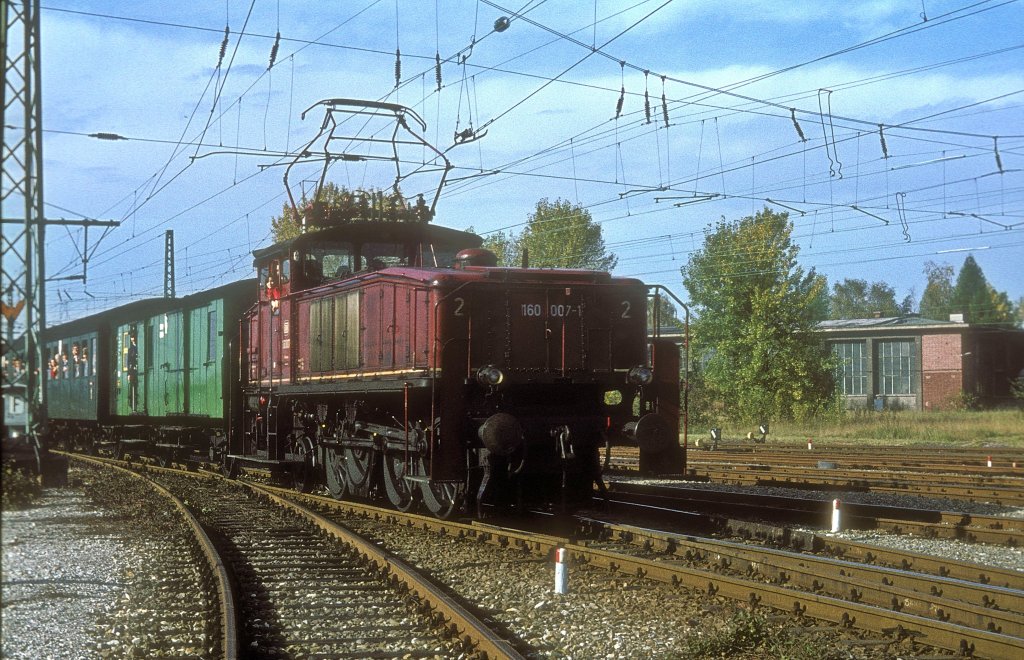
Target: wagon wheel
x=358, y=465
x=229, y=467
x=401, y=492
x=335, y=473
x=304, y=472
x=443, y=499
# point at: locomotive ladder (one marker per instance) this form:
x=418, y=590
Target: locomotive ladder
x=273, y=451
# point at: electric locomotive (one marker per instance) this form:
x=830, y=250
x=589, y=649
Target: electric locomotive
x=396, y=360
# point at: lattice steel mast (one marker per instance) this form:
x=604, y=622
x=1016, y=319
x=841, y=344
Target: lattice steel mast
x=22, y=282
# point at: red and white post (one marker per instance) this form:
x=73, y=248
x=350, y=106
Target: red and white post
x=810, y=444
x=989, y=462
x=836, y=524
x=561, y=572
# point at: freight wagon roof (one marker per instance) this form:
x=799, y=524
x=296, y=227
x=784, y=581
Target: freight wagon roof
x=358, y=231
x=148, y=307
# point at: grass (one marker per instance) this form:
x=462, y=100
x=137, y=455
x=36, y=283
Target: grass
x=967, y=428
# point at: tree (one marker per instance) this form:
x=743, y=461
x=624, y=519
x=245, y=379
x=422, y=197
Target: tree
x=907, y=306
x=755, y=329
x=559, y=234
x=937, y=299
x=976, y=299
x=854, y=299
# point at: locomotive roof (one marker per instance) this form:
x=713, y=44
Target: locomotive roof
x=358, y=231
x=148, y=307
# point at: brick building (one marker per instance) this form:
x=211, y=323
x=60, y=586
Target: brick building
x=921, y=364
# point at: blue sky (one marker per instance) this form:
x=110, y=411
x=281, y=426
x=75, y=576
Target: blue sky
x=545, y=90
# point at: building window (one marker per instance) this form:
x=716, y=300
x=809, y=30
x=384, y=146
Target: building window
x=897, y=367
x=852, y=370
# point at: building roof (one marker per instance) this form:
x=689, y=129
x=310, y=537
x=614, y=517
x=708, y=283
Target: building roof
x=886, y=322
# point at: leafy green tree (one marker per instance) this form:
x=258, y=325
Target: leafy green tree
x=977, y=299
x=505, y=247
x=760, y=356
x=1003, y=309
x=971, y=295
x=559, y=234
x=937, y=299
x=667, y=318
x=855, y=299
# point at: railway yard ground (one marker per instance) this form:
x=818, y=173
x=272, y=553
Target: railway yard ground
x=736, y=560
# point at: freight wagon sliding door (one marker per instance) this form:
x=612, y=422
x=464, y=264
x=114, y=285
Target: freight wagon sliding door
x=205, y=394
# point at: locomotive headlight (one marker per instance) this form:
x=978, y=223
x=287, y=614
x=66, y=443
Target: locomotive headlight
x=641, y=375
x=490, y=375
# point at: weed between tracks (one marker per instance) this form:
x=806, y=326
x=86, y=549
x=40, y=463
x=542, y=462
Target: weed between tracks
x=19, y=488
x=751, y=635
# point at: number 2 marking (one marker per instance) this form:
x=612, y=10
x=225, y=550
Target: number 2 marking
x=459, y=304
x=625, y=309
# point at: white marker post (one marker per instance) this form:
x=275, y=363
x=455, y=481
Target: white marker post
x=835, y=516
x=561, y=572
x=810, y=445
x=990, y=461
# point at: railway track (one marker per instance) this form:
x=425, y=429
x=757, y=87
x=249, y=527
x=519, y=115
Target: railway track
x=968, y=479
x=980, y=616
x=946, y=612
x=734, y=508
x=293, y=584
x=888, y=596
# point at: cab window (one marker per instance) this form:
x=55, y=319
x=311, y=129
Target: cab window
x=374, y=256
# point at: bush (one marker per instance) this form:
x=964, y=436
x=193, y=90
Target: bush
x=963, y=401
x=20, y=488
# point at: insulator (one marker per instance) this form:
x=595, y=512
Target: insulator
x=995, y=147
x=796, y=125
x=398, y=66
x=224, y=45
x=664, y=108
x=273, y=51
x=881, y=137
x=437, y=69
x=647, y=100
x=622, y=99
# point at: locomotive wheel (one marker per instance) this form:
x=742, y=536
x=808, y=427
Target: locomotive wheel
x=335, y=474
x=359, y=470
x=443, y=499
x=401, y=492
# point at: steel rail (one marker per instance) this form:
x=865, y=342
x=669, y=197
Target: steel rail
x=460, y=621
x=931, y=596
x=228, y=624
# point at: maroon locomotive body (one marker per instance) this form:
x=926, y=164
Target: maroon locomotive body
x=395, y=360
